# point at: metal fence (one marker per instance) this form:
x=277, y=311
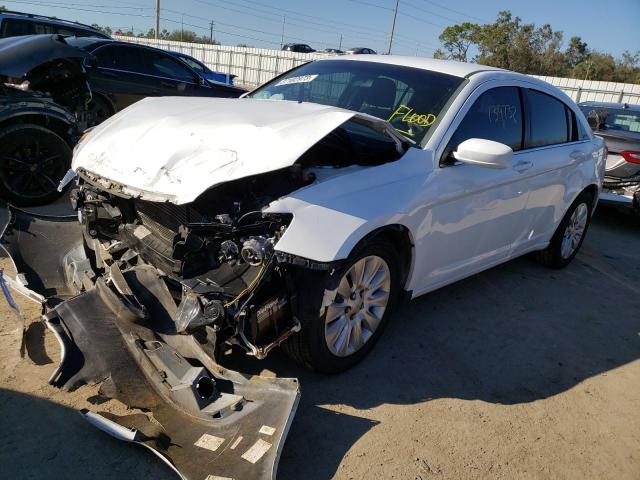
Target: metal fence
x=255, y=66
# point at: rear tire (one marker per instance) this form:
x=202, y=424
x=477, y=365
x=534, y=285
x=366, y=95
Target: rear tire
x=569, y=235
x=33, y=160
x=328, y=316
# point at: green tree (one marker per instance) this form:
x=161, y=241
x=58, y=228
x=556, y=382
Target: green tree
x=456, y=41
x=576, y=52
x=3, y=8
x=106, y=29
x=511, y=44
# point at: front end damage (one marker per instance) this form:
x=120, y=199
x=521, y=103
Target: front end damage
x=118, y=322
x=159, y=274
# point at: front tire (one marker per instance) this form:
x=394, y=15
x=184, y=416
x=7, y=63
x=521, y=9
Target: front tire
x=344, y=314
x=33, y=160
x=569, y=235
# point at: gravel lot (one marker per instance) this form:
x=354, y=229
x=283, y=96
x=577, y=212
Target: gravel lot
x=519, y=372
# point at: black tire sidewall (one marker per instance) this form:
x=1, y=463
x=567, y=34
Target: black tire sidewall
x=313, y=321
x=53, y=139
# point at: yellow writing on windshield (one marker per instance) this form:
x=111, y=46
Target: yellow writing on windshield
x=411, y=117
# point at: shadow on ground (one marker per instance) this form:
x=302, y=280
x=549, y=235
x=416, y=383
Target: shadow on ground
x=514, y=334
x=53, y=441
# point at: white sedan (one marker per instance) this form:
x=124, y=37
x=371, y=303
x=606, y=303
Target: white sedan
x=302, y=214
x=299, y=216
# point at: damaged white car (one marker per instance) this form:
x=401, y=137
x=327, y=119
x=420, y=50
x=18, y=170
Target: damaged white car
x=298, y=216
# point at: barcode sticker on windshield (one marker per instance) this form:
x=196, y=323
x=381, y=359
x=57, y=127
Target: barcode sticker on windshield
x=300, y=79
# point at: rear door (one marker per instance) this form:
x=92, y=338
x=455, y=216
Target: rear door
x=556, y=149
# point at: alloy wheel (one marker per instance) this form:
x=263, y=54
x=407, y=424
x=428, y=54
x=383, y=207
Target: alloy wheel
x=575, y=230
x=360, y=301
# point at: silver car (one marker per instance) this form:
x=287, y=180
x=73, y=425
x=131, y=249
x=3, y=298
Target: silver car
x=619, y=125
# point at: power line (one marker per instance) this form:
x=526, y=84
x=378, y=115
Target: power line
x=456, y=11
x=104, y=8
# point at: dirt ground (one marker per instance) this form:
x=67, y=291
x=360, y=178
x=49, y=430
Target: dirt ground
x=519, y=372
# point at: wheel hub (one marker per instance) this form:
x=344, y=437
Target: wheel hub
x=358, y=306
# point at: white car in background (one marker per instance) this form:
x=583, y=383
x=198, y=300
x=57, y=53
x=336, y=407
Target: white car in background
x=298, y=216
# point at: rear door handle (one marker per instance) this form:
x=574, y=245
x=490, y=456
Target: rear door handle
x=522, y=166
x=577, y=156
x=168, y=84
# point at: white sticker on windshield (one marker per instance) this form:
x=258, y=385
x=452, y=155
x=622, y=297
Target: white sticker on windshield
x=301, y=79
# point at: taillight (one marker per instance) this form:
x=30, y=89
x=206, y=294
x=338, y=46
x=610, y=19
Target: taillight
x=631, y=156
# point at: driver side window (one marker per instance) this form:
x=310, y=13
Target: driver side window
x=495, y=115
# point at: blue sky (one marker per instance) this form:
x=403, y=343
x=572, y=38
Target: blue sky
x=610, y=26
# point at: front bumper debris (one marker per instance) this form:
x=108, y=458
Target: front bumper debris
x=117, y=330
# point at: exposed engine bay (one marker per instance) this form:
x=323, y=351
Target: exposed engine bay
x=217, y=253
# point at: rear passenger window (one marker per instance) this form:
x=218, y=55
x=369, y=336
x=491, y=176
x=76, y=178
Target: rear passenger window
x=119, y=58
x=15, y=28
x=496, y=115
x=547, y=120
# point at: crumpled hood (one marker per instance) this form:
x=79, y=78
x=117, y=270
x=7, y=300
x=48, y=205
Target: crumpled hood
x=20, y=55
x=175, y=148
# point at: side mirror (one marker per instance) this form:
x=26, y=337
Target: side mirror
x=484, y=153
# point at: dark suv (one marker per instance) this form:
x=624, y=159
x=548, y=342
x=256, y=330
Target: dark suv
x=16, y=24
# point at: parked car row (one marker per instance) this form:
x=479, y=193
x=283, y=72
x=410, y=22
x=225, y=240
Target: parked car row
x=304, y=48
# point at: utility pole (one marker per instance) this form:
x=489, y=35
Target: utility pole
x=157, y=19
x=393, y=27
x=182, y=27
x=284, y=21
x=211, y=31
x=340, y=46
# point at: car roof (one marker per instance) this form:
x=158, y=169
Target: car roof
x=54, y=21
x=87, y=42
x=621, y=106
x=450, y=67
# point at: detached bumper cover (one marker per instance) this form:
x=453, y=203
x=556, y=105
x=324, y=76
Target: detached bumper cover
x=202, y=420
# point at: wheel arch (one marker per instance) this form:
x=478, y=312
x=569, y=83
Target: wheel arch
x=593, y=191
x=400, y=236
x=56, y=123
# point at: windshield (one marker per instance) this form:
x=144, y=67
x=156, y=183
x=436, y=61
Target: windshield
x=410, y=99
x=616, y=118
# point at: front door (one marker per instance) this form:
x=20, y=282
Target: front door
x=477, y=212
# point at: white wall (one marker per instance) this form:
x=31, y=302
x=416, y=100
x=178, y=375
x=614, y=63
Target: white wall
x=255, y=66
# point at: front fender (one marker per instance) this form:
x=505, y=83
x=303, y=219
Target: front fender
x=331, y=217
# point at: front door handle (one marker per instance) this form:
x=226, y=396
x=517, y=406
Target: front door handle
x=522, y=166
